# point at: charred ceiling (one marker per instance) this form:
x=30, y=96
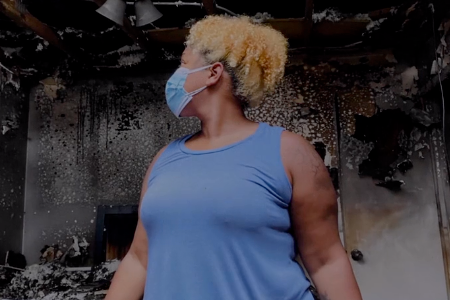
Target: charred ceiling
x=40, y=38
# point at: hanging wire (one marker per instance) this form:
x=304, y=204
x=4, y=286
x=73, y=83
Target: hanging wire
x=431, y=6
x=8, y=70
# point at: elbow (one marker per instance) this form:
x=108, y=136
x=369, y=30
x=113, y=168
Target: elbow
x=317, y=259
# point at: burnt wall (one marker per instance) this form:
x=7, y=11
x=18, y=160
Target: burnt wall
x=13, y=143
x=90, y=145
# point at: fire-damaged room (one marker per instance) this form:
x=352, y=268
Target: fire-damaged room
x=85, y=109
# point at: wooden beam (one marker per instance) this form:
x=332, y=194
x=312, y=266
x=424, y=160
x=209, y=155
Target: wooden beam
x=323, y=34
x=381, y=13
x=135, y=34
x=210, y=6
x=309, y=8
x=8, y=7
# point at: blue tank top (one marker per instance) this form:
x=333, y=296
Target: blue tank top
x=218, y=223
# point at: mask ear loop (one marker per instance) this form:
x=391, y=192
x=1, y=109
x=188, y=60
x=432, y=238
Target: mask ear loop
x=199, y=69
x=193, y=93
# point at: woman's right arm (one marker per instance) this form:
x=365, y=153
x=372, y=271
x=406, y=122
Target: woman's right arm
x=129, y=281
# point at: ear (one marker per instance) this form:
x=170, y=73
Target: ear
x=217, y=70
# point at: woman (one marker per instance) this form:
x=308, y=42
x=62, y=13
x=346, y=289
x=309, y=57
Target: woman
x=223, y=212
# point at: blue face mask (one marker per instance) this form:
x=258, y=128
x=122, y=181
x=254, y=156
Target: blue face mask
x=176, y=96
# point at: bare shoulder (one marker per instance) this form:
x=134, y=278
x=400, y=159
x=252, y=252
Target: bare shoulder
x=291, y=141
x=297, y=152
x=302, y=162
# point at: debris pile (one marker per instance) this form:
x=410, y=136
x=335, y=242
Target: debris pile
x=75, y=256
x=59, y=276
x=53, y=281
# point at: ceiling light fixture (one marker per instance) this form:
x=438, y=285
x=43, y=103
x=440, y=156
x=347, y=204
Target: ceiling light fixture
x=146, y=12
x=114, y=10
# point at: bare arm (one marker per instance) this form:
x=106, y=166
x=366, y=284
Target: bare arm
x=314, y=217
x=129, y=281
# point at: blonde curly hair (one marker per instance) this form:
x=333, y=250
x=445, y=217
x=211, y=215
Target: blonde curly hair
x=253, y=54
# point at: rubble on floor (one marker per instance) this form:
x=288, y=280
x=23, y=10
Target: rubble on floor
x=53, y=281
x=75, y=256
x=61, y=275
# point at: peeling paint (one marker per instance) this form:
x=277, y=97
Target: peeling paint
x=261, y=17
x=409, y=79
x=375, y=25
x=9, y=78
x=330, y=14
x=392, y=91
x=52, y=86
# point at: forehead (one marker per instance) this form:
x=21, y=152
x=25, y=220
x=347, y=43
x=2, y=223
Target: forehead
x=189, y=53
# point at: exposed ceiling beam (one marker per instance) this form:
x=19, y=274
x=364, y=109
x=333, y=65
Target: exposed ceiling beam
x=135, y=34
x=381, y=13
x=210, y=6
x=309, y=8
x=323, y=34
x=8, y=7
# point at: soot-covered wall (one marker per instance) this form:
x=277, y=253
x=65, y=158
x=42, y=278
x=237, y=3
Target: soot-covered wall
x=90, y=143
x=13, y=144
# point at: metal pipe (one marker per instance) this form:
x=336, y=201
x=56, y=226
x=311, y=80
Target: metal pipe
x=2, y=66
x=226, y=10
x=181, y=3
x=12, y=268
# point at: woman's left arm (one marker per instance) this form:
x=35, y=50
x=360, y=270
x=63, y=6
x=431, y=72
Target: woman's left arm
x=314, y=217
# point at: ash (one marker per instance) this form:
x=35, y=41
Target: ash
x=53, y=281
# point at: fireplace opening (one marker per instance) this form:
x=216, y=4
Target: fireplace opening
x=114, y=231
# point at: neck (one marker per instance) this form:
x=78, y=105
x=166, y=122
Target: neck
x=222, y=118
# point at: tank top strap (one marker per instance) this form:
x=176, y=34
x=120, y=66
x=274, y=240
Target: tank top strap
x=267, y=146
x=166, y=156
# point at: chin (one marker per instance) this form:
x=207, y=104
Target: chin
x=187, y=111
x=184, y=113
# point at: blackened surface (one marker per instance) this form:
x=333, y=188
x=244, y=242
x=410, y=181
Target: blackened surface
x=334, y=174
x=383, y=130
x=393, y=185
x=405, y=165
x=321, y=149
x=91, y=146
x=446, y=123
x=13, y=143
